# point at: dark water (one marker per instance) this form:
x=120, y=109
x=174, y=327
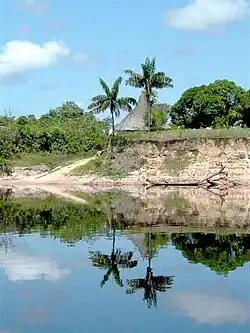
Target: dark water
x=69, y=268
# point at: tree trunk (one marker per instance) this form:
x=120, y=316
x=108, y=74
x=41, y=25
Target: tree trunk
x=113, y=130
x=149, y=112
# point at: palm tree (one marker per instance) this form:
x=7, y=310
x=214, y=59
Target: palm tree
x=111, y=101
x=149, y=79
x=151, y=284
x=113, y=262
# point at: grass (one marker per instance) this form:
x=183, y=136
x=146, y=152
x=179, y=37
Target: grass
x=167, y=135
x=50, y=160
x=118, y=166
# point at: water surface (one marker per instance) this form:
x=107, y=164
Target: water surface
x=72, y=268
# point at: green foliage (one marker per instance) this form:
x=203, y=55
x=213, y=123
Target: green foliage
x=111, y=101
x=67, y=130
x=219, y=104
x=114, y=166
x=159, y=116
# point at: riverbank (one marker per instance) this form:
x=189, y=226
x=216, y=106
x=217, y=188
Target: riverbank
x=135, y=162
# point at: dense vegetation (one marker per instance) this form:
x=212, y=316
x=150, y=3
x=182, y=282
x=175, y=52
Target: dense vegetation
x=219, y=104
x=64, y=131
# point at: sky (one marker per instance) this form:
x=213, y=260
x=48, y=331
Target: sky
x=54, y=51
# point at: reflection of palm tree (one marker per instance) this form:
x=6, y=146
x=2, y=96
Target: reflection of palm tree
x=151, y=284
x=113, y=262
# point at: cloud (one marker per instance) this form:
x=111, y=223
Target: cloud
x=34, y=6
x=207, y=14
x=20, y=267
x=80, y=58
x=22, y=56
x=211, y=309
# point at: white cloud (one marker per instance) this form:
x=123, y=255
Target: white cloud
x=207, y=14
x=21, y=56
x=81, y=58
x=18, y=267
x=34, y=6
x=211, y=309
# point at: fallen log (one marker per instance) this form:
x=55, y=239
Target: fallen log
x=216, y=180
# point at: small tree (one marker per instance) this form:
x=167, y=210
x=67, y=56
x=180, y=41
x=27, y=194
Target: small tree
x=160, y=112
x=111, y=101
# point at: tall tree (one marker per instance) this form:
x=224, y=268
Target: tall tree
x=111, y=100
x=149, y=79
x=214, y=105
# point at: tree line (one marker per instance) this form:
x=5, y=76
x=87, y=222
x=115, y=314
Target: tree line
x=220, y=104
x=68, y=129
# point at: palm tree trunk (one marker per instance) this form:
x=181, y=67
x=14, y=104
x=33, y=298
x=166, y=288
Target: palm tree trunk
x=149, y=112
x=113, y=130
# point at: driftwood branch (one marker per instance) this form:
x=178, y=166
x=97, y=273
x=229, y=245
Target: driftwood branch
x=217, y=180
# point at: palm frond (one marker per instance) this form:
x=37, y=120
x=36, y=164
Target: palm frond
x=125, y=103
x=106, y=277
x=148, y=68
x=105, y=87
x=135, y=79
x=98, y=107
x=161, y=80
x=115, y=88
x=99, y=98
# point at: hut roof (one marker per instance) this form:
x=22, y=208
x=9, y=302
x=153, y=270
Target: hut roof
x=134, y=121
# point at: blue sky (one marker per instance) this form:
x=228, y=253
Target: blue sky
x=195, y=42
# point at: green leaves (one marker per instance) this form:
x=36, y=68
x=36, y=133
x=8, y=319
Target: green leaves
x=105, y=87
x=110, y=100
x=149, y=79
x=115, y=88
x=135, y=80
x=215, y=105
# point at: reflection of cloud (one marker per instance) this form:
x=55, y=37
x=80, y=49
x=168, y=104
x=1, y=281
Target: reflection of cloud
x=18, y=266
x=211, y=309
x=36, y=315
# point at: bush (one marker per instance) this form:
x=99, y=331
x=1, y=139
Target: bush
x=66, y=134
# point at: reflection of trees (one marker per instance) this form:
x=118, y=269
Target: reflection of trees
x=220, y=252
x=112, y=262
x=151, y=284
x=51, y=217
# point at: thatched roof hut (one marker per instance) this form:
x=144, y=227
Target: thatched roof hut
x=134, y=121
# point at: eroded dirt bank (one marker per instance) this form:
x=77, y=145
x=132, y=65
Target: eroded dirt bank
x=176, y=160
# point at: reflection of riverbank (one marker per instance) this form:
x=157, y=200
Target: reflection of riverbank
x=169, y=210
